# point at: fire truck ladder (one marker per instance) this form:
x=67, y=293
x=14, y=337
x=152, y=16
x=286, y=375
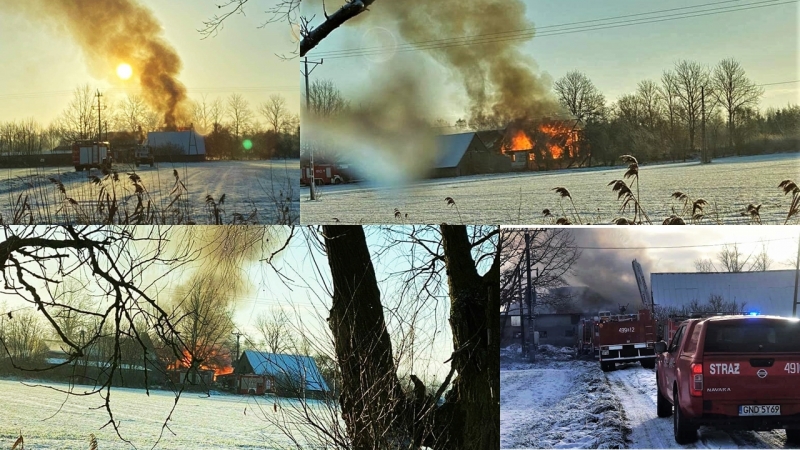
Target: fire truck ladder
x=647, y=299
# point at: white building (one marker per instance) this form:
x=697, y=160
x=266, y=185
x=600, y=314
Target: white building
x=189, y=142
x=767, y=293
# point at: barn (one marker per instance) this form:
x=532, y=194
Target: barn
x=287, y=375
x=769, y=293
x=466, y=154
x=182, y=145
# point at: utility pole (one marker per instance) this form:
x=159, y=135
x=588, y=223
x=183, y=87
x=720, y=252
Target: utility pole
x=528, y=292
x=796, y=279
x=306, y=73
x=521, y=309
x=99, y=108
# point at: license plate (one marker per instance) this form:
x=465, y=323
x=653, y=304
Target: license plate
x=760, y=410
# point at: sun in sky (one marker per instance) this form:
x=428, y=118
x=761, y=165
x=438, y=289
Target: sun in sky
x=124, y=71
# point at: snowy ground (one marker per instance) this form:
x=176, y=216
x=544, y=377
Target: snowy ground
x=728, y=184
x=257, y=188
x=635, y=386
x=558, y=402
x=199, y=422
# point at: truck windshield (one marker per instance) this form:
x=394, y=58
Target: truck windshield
x=753, y=335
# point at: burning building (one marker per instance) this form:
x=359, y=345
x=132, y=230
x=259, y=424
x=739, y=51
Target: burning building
x=549, y=144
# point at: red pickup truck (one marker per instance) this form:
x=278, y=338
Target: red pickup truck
x=734, y=372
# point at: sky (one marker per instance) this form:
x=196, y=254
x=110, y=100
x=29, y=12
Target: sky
x=43, y=66
x=607, y=252
x=764, y=40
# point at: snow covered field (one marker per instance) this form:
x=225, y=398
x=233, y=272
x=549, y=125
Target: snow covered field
x=557, y=402
x=199, y=422
x=728, y=184
x=260, y=188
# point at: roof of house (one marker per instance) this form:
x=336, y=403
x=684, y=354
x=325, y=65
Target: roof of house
x=451, y=148
x=770, y=292
x=183, y=139
x=294, y=366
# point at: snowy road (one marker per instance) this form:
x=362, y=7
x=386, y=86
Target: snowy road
x=258, y=190
x=635, y=387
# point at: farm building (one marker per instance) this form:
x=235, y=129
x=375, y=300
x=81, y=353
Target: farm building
x=466, y=154
x=291, y=375
x=182, y=145
x=768, y=293
x=557, y=329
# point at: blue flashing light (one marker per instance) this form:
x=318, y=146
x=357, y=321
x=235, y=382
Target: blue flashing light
x=752, y=313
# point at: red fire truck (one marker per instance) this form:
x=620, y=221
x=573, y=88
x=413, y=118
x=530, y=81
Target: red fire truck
x=626, y=338
x=327, y=174
x=89, y=154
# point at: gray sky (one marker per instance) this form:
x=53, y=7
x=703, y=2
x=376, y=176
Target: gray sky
x=669, y=249
x=42, y=66
x=763, y=40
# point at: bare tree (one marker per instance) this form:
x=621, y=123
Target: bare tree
x=239, y=113
x=22, y=338
x=651, y=103
x=274, y=330
x=79, y=121
x=553, y=253
x=204, y=322
x=704, y=266
x=690, y=79
x=734, y=91
x=134, y=112
x=579, y=95
x=325, y=99
x=669, y=95
x=275, y=112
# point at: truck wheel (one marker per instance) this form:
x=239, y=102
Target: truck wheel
x=685, y=432
x=793, y=436
x=606, y=366
x=663, y=408
x=648, y=363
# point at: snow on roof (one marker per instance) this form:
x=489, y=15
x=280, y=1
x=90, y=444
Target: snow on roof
x=190, y=141
x=451, y=148
x=294, y=366
x=769, y=293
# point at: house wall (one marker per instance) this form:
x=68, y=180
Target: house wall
x=559, y=330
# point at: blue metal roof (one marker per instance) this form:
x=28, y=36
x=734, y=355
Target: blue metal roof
x=451, y=149
x=294, y=366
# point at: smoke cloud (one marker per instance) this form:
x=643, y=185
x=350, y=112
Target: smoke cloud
x=609, y=272
x=111, y=32
x=499, y=79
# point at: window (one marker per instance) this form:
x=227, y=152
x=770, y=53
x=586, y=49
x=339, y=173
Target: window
x=752, y=336
x=676, y=340
x=513, y=157
x=515, y=321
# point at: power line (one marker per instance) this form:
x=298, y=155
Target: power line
x=667, y=247
x=528, y=30
x=529, y=33
x=779, y=82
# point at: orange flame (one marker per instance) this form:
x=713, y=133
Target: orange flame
x=520, y=141
x=186, y=361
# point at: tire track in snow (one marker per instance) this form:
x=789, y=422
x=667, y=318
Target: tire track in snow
x=635, y=387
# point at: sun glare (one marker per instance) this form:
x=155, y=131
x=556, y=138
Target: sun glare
x=124, y=71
